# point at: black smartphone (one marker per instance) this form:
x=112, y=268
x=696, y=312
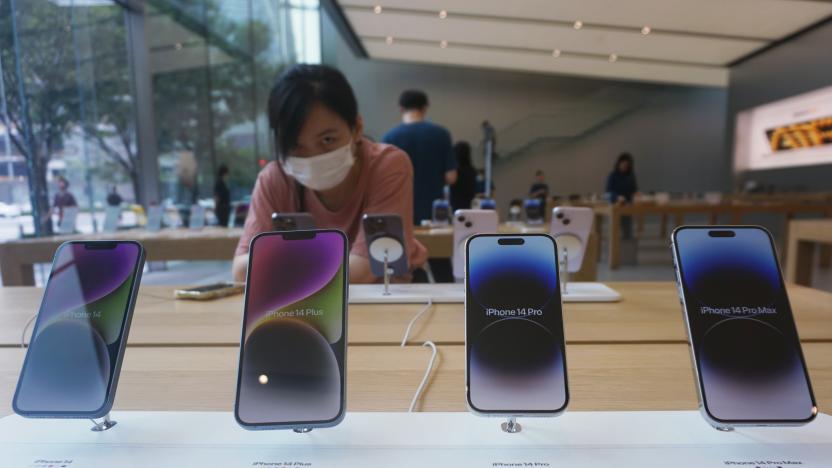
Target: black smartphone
x=746, y=352
x=515, y=351
x=293, y=348
x=384, y=234
x=74, y=358
x=292, y=221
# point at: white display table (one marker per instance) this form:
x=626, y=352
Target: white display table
x=577, y=439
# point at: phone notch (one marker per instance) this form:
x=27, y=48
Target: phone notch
x=511, y=241
x=722, y=233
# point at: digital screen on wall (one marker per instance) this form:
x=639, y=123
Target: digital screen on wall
x=796, y=131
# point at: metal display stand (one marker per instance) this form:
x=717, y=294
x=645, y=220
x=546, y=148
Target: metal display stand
x=103, y=424
x=511, y=425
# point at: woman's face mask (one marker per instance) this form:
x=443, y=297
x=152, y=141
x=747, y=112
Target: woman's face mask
x=321, y=172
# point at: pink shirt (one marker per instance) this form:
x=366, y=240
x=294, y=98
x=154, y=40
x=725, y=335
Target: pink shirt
x=385, y=185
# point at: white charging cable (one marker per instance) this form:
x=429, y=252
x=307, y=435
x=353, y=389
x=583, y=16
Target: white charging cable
x=425, y=378
x=26, y=328
x=434, y=352
x=414, y=319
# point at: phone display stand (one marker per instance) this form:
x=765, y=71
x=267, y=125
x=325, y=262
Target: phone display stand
x=721, y=428
x=511, y=425
x=302, y=430
x=583, y=291
x=103, y=424
x=386, y=250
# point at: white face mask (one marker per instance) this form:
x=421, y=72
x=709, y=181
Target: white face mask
x=321, y=172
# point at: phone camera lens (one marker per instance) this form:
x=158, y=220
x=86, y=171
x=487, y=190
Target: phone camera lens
x=461, y=219
x=566, y=221
x=468, y=224
x=560, y=215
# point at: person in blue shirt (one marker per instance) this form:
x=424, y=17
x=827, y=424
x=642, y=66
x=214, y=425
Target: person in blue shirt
x=430, y=149
x=622, y=187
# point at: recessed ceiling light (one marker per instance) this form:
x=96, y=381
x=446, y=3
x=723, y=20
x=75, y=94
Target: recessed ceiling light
x=443, y=44
x=646, y=30
x=578, y=24
x=613, y=58
x=443, y=14
x=377, y=9
x=389, y=40
x=556, y=53
x=263, y=379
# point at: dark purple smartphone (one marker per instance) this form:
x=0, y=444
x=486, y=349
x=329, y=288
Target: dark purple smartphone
x=74, y=358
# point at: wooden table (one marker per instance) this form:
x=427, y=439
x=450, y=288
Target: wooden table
x=211, y=243
x=440, y=244
x=648, y=313
x=17, y=257
x=803, y=235
x=383, y=378
x=609, y=215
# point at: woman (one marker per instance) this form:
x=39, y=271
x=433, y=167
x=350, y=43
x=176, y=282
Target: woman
x=465, y=187
x=622, y=187
x=326, y=168
x=222, y=196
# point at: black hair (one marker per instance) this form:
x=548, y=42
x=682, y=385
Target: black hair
x=223, y=170
x=462, y=149
x=296, y=91
x=625, y=157
x=413, y=99
x=538, y=172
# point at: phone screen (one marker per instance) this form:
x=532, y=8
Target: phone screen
x=293, y=342
x=516, y=361
x=743, y=335
x=74, y=352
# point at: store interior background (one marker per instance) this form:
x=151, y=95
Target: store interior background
x=211, y=64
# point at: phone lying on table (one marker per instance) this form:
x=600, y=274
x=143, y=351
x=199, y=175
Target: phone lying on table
x=292, y=367
x=514, y=345
x=209, y=292
x=746, y=353
x=74, y=358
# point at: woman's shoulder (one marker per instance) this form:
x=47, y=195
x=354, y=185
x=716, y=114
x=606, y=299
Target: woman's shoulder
x=384, y=158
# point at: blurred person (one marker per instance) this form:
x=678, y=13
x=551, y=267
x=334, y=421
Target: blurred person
x=622, y=187
x=113, y=197
x=430, y=151
x=465, y=187
x=326, y=168
x=222, y=196
x=539, y=189
x=63, y=199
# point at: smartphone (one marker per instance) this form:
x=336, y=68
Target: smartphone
x=514, y=346
x=441, y=211
x=385, y=237
x=534, y=210
x=488, y=204
x=292, y=221
x=209, y=292
x=74, y=358
x=465, y=224
x=292, y=367
x=747, y=358
x=571, y=226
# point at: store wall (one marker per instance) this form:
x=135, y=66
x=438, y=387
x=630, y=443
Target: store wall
x=677, y=134
x=794, y=67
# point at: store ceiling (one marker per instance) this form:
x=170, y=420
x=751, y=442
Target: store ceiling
x=668, y=41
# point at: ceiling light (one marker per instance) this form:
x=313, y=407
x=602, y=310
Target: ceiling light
x=443, y=14
x=613, y=58
x=443, y=44
x=377, y=9
x=389, y=40
x=646, y=30
x=556, y=53
x=578, y=24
